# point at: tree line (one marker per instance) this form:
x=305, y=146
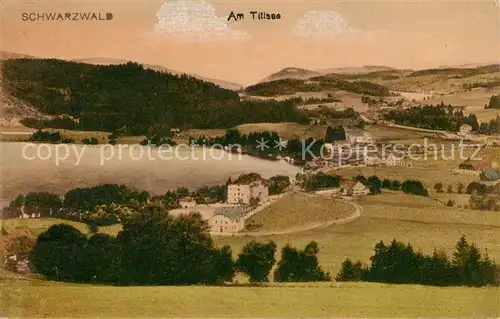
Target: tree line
x=435, y=117
x=265, y=144
x=131, y=99
x=321, y=180
x=398, y=263
x=109, y=204
x=491, y=127
x=156, y=249
x=102, y=205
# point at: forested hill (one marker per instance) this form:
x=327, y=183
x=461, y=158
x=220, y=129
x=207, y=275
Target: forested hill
x=316, y=84
x=132, y=99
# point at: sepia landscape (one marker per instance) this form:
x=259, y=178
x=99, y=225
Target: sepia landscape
x=244, y=159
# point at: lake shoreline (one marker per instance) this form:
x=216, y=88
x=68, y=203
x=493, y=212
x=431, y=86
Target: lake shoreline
x=22, y=175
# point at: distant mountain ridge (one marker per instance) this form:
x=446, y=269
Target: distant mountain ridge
x=304, y=74
x=442, y=79
x=369, y=70
x=4, y=55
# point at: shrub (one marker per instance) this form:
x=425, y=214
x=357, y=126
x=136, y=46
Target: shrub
x=256, y=260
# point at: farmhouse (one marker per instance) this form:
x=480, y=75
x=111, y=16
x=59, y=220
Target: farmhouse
x=228, y=219
x=470, y=167
x=465, y=129
x=247, y=187
x=353, y=188
x=487, y=166
x=372, y=161
x=187, y=202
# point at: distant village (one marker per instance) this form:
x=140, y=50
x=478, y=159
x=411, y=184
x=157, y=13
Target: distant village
x=246, y=196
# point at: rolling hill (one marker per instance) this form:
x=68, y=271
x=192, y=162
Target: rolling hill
x=109, y=61
x=131, y=98
x=440, y=79
x=304, y=74
x=316, y=84
x=291, y=73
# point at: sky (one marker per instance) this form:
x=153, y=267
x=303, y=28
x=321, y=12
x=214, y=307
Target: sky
x=194, y=36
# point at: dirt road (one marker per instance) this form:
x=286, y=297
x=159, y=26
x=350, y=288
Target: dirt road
x=358, y=211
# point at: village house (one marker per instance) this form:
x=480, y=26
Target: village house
x=187, y=202
x=396, y=159
x=228, y=219
x=469, y=167
x=359, y=137
x=247, y=187
x=353, y=188
x=487, y=165
x=465, y=132
x=18, y=262
x=372, y=161
x=393, y=160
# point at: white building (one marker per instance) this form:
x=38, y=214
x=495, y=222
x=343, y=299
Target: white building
x=359, y=137
x=372, y=161
x=247, y=187
x=228, y=219
x=394, y=160
x=465, y=132
x=353, y=188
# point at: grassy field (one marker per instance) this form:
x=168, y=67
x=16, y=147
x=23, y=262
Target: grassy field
x=429, y=176
x=300, y=209
x=392, y=134
x=460, y=200
x=38, y=299
x=285, y=130
x=39, y=225
x=422, y=221
x=379, y=133
x=425, y=223
x=430, y=170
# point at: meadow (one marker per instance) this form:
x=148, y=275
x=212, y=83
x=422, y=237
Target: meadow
x=300, y=210
x=434, y=168
x=421, y=221
x=39, y=225
x=33, y=298
x=424, y=222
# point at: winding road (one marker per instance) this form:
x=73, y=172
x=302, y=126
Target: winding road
x=358, y=211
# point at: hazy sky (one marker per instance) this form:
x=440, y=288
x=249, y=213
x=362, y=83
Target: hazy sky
x=194, y=36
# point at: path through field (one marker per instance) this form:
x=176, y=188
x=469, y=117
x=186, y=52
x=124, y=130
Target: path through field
x=358, y=211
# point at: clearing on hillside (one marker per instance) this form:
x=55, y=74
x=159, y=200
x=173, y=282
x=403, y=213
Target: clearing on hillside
x=299, y=210
x=39, y=225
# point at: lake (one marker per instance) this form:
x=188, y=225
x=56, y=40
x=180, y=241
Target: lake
x=26, y=167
